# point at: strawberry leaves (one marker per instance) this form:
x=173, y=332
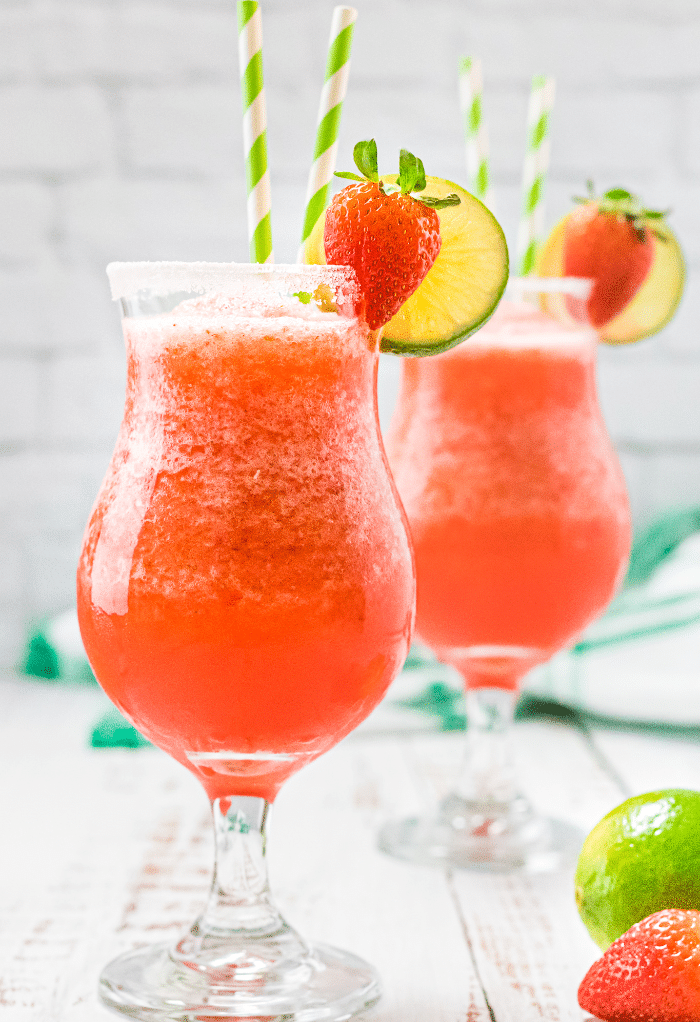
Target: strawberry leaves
x=623, y=204
x=365, y=156
x=411, y=175
x=450, y=200
x=412, y=179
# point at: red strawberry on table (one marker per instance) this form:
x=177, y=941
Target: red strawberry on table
x=388, y=236
x=609, y=239
x=649, y=974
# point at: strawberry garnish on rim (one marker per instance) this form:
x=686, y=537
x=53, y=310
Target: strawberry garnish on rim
x=649, y=974
x=610, y=239
x=389, y=236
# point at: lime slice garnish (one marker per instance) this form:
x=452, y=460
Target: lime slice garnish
x=463, y=286
x=657, y=299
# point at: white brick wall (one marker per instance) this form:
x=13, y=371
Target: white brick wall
x=120, y=139
x=27, y=215
x=182, y=131
x=20, y=391
x=54, y=130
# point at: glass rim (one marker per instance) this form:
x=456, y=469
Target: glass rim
x=576, y=287
x=159, y=278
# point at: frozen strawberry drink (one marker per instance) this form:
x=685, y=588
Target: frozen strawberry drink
x=517, y=504
x=245, y=594
x=520, y=524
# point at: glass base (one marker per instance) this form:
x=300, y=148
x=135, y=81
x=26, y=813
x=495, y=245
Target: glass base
x=159, y=983
x=494, y=837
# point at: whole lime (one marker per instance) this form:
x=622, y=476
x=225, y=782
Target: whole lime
x=642, y=857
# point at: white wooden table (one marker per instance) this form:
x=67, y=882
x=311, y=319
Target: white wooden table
x=105, y=849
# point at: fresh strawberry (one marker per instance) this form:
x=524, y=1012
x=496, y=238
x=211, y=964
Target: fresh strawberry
x=390, y=238
x=649, y=974
x=609, y=240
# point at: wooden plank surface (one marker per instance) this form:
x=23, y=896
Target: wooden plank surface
x=106, y=849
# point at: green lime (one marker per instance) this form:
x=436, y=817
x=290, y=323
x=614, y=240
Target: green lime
x=642, y=857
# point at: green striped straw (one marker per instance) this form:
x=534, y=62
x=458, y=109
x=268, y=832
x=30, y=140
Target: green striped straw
x=328, y=124
x=254, y=131
x=535, y=170
x=471, y=89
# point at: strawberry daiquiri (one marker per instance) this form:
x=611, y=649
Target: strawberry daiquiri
x=520, y=524
x=517, y=506
x=245, y=588
x=245, y=592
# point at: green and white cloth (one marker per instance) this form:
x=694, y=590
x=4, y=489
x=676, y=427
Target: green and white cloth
x=640, y=662
x=54, y=650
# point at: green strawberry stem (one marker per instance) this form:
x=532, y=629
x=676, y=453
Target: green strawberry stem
x=620, y=202
x=411, y=175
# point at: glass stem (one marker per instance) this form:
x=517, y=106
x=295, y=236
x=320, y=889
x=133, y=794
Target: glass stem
x=488, y=772
x=239, y=900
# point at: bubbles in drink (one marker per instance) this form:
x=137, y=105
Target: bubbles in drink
x=523, y=407
x=276, y=472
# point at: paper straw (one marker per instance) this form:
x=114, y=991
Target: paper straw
x=535, y=172
x=328, y=123
x=254, y=131
x=475, y=133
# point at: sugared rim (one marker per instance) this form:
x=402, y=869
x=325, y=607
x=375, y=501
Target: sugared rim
x=577, y=287
x=163, y=278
